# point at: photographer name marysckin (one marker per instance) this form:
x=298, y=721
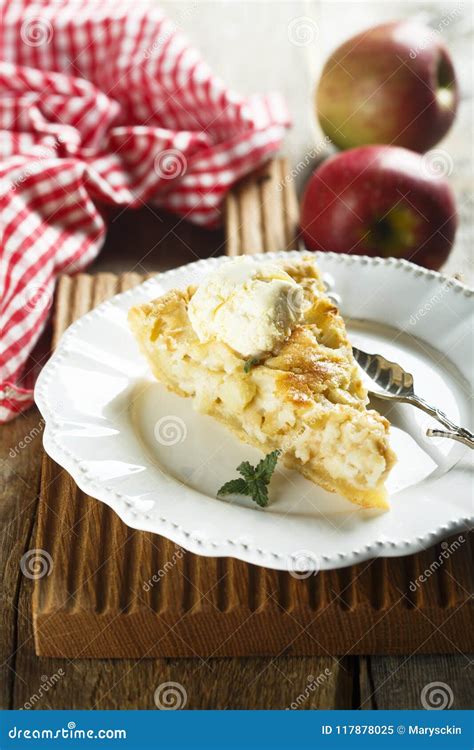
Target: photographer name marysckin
x=388, y=729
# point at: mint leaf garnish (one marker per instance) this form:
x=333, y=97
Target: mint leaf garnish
x=255, y=479
x=234, y=487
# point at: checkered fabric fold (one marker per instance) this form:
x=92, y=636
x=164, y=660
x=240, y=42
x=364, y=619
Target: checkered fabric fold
x=103, y=102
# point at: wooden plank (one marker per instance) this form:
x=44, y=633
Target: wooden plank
x=261, y=212
x=272, y=208
x=393, y=683
x=290, y=206
x=262, y=683
x=232, y=222
x=20, y=465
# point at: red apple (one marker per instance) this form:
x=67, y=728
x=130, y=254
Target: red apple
x=394, y=84
x=380, y=200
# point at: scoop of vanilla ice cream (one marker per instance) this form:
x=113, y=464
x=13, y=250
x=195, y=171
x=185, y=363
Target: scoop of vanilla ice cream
x=252, y=307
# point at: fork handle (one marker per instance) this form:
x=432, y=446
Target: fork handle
x=453, y=429
x=451, y=434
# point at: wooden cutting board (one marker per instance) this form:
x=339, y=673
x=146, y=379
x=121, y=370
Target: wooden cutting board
x=115, y=592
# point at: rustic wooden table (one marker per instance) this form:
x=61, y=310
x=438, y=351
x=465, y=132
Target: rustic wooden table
x=147, y=241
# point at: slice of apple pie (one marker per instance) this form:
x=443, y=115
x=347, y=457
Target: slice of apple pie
x=260, y=347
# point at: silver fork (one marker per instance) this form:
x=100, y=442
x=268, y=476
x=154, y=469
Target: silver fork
x=397, y=385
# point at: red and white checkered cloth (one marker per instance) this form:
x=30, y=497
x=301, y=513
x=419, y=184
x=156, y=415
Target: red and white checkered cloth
x=103, y=102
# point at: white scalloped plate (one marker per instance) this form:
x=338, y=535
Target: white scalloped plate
x=158, y=464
